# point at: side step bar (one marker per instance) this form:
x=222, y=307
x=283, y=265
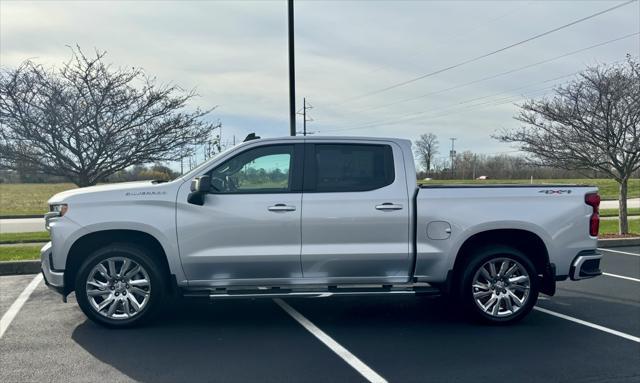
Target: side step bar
x=277, y=292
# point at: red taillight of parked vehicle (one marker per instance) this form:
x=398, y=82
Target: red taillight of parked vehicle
x=593, y=200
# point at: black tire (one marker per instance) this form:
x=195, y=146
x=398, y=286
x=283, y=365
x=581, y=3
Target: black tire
x=466, y=289
x=157, y=284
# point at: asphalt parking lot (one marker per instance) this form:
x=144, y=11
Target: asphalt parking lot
x=590, y=331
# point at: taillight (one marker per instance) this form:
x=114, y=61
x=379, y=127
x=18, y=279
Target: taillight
x=593, y=200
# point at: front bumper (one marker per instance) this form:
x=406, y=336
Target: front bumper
x=54, y=279
x=586, y=265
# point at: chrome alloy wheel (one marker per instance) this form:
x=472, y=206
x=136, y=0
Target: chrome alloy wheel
x=501, y=287
x=118, y=288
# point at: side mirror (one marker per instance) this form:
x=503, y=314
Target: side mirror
x=201, y=184
x=199, y=187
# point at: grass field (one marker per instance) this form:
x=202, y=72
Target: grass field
x=37, y=236
x=608, y=188
x=614, y=212
x=26, y=199
x=19, y=253
x=611, y=226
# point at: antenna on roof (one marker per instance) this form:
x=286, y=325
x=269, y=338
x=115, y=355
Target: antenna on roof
x=251, y=136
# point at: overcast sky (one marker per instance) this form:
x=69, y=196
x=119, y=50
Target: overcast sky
x=235, y=54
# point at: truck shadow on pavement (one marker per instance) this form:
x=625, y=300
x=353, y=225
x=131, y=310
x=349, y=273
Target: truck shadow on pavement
x=255, y=340
x=244, y=340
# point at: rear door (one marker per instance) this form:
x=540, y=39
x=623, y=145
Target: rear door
x=355, y=217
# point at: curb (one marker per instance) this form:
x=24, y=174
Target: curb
x=22, y=216
x=19, y=267
x=619, y=242
x=14, y=244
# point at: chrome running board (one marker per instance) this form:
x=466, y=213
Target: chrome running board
x=279, y=292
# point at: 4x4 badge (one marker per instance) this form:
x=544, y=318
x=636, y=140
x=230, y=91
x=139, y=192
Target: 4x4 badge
x=555, y=191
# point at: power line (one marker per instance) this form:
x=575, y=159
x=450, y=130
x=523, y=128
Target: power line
x=413, y=116
x=477, y=58
x=498, y=74
x=449, y=38
x=518, y=88
x=418, y=114
x=502, y=101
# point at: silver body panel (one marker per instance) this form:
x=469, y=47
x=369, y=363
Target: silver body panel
x=330, y=237
x=560, y=220
x=235, y=237
x=137, y=206
x=345, y=236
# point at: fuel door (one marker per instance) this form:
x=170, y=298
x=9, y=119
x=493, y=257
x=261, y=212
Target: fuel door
x=438, y=230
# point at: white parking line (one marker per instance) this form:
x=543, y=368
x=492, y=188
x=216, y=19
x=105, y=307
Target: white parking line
x=618, y=251
x=589, y=324
x=621, y=277
x=342, y=352
x=15, y=307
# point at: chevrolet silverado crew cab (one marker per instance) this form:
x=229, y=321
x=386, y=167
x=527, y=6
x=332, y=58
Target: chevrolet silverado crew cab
x=316, y=216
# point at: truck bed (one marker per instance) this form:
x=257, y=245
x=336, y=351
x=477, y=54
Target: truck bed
x=448, y=215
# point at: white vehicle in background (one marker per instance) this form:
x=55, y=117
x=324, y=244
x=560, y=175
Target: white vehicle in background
x=317, y=216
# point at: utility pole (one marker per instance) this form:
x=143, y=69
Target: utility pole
x=304, y=116
x=214, y=142
x=475, y=163
x=292, y=74
x=452, y=153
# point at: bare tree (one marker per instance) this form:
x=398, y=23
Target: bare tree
x=88, y=120
x=592, y=123
x=426, y=149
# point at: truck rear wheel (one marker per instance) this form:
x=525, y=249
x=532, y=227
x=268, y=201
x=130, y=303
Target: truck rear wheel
x=499, y=285
x=119, y=285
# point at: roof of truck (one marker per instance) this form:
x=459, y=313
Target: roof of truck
x=400, y=141
x=317, y=137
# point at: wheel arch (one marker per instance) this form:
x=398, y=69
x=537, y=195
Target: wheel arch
x=93, y=241
x=527, y=242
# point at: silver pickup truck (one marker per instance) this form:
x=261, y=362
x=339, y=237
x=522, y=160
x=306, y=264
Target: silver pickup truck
x=316, y=216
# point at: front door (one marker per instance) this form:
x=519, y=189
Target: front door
x=248, y=229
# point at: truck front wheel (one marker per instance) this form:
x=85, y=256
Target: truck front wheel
x=119, y=285
x=499, y=285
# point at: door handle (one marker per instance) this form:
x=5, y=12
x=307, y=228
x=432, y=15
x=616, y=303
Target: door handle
x=387, y=206
x=281, y=207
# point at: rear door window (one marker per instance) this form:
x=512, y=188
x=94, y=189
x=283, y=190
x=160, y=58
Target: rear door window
x=350, y=168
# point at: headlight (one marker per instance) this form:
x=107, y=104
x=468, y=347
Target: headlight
x=57, y=210
x=60, y=208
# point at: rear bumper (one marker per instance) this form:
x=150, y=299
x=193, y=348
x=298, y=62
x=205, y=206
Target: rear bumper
x=586, y=265
x=54, y=279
